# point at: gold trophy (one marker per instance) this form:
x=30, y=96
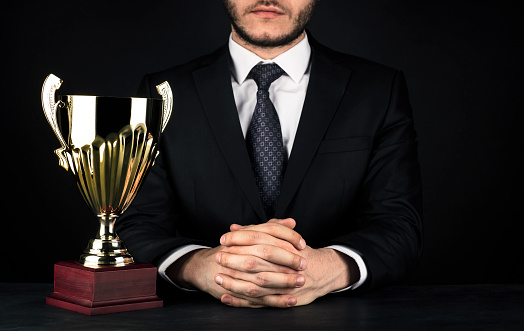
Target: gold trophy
x=111, y=145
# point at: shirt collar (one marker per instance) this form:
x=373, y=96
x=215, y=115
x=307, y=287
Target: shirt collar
x=294, y=61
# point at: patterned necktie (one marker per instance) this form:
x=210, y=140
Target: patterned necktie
x=264, y=139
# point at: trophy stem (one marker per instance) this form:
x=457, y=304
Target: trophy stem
x=106, y=249
x=106, y=231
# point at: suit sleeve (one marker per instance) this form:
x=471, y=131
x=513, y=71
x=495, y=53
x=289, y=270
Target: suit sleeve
x=389, y=219
x=148, y=226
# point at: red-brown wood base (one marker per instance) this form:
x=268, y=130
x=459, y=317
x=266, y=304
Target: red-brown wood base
x=103, y=290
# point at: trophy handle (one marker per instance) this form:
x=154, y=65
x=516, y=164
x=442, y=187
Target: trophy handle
x=51, y=84
x=167, y=105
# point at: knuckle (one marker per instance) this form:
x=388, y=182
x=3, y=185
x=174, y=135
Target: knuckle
x=292, y=281
x=253, y=291
x=282, y=303
x=224, y=258
x=296, y=237
x=266, y=252
x=279, y=301
x=253, y=236
x=261, y=280
x=272, y=225
x=296, y=261
x=250, y=264
x=253, y=304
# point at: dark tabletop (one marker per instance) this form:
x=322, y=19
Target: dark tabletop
x=443, y=307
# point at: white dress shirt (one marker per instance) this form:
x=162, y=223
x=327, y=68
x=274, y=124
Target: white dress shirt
x=287, y=93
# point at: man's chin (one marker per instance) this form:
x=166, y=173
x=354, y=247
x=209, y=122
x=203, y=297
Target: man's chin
x=270, y=39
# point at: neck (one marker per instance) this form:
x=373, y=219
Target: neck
x=266, y=53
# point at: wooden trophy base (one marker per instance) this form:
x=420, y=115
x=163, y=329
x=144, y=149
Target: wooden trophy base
x=104, y=290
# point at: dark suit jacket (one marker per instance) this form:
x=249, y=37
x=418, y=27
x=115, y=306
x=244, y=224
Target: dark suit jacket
x=352, y=178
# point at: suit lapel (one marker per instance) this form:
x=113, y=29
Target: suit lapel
x=326, y=87
x=213, y=82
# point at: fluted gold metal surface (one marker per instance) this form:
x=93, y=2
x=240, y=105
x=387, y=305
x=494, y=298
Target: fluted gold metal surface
x=109, y=172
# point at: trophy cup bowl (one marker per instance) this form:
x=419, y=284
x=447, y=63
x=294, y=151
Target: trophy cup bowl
x=111, y=145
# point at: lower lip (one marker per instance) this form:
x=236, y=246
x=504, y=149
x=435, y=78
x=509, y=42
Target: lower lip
x=267, y=14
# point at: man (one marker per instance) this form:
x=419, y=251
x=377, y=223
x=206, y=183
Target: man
x=332, y=200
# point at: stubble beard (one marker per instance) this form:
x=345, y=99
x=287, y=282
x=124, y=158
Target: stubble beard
x=267, y=41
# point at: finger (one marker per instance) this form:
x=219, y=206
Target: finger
x=233, y=301
x=287, y=222
x=266, y=233
x=246, y=289
x=279, y=301
x=277, y=280
x=259, y=258
x=250, y=263
x=268, y=279
x=236, y=227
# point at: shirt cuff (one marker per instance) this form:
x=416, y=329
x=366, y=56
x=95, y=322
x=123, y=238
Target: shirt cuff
x=360, y=263
x=172, y=257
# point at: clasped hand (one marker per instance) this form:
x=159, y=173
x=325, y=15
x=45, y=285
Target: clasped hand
x=266, y=264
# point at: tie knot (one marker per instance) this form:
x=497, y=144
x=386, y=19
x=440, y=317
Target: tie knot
x=265, y=74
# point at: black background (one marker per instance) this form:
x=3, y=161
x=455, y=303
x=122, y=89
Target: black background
x=462, y=60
